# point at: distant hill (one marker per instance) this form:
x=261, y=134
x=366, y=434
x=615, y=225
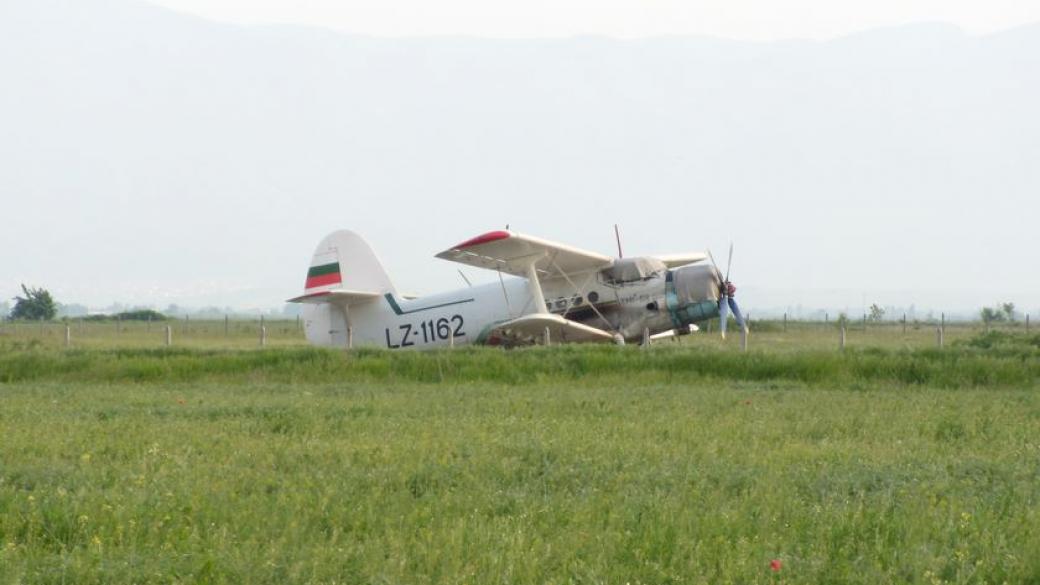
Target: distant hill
x=146, y=151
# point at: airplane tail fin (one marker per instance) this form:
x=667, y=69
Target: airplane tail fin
x=344, y=269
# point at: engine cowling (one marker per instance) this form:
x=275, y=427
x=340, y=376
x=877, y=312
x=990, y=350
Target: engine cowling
x=692, y=294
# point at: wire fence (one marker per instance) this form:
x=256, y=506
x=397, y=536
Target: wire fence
x=186, y=332
x=776, y=333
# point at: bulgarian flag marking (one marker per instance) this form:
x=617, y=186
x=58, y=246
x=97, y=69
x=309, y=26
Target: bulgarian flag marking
x=323, y=275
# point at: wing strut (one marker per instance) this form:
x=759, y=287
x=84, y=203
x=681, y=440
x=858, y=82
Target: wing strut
x=581, y=291
x=505, y=294
x=535, y=287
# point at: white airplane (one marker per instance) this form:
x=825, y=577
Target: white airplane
x=564, y=294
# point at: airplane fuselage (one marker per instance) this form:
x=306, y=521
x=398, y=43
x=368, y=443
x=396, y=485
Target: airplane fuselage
x=467, y=315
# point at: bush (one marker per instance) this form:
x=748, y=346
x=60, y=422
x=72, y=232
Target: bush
x=141, y=315
x=137, y=315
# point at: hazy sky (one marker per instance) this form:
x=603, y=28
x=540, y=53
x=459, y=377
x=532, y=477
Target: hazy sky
x=150, y=156
x=738, y=19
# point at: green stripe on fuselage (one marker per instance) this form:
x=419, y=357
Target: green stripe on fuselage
x=323, y=270
x=398, y=311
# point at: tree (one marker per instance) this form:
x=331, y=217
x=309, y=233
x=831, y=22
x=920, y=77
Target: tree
x=877, y=313
x=991, y=315
x=36, y=305
x=1009, y=310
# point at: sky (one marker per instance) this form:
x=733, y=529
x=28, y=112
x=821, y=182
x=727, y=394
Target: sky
x=734, y=19
x=188, y=156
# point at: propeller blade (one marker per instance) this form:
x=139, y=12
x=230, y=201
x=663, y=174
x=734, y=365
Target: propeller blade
x=732, y=302
x=718, y=274
x=723, y=315
x=713, y=263
x=729, y=263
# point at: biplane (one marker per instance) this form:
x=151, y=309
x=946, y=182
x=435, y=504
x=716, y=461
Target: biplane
x=546, y=292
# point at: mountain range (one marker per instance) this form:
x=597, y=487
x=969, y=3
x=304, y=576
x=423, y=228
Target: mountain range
x=152, y=156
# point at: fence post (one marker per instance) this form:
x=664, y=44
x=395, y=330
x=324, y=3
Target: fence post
x=1027, y=322
x=546, y=338
x=451, y=338
x=841, y=343
x=646, y=337
x=68, y=336
x=263, y=336
x=350, y=337
x=743, y=338
x=785, y=322
x=169, y=336
x=904, y=323
x=225, y=325
x=939, y=336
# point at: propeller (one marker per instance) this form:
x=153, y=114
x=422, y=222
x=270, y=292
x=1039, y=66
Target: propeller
x=727, y=291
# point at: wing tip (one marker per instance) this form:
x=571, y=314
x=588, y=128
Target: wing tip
x=492, y=236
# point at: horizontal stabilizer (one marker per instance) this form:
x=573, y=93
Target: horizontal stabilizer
x=532, y=328
x=338, y=296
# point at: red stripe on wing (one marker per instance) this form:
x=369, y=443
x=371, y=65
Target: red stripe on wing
x=484, y=238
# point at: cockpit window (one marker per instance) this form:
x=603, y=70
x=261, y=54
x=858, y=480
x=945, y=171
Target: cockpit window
x=626, y=270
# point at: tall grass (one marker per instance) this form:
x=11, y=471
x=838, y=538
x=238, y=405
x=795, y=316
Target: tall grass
x=1001, y=360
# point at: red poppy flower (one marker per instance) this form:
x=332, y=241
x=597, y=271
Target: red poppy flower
x=775, y=564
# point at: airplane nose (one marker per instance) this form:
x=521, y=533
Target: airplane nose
x=695, y=283
x=692, y=294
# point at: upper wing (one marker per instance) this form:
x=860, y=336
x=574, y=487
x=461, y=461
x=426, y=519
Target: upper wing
x=673, y=260
x=511, y=253
x=530, y=328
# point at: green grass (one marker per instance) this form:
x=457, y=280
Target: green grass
x=993, y=360
x=688, y=463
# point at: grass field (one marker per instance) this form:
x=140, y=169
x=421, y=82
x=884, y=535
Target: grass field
x=213, y=462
